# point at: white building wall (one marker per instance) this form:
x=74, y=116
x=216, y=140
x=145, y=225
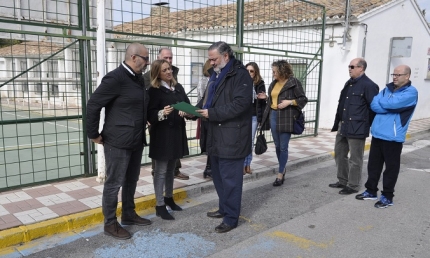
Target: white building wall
x=382, y=26
x=401, y=20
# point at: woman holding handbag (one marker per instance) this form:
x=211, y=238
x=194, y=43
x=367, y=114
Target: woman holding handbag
x=258, y=105
x=285, y=100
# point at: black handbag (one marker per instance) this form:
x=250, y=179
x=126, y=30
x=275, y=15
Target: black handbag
x=260, y=144
x=299, y=123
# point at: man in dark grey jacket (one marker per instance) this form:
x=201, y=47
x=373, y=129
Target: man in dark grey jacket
x=352, y=123
x=122, y=93
x=228, y=109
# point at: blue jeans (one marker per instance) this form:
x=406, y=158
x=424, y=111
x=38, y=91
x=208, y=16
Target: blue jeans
x=227, y=175
x=281, y=142
x=122, y=169
x=248, y=158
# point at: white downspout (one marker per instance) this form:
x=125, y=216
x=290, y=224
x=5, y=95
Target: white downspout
x=101, y=71
x=347, y=14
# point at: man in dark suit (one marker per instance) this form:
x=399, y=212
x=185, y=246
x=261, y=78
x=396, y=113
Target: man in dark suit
x=228, y=110
x=123, y=95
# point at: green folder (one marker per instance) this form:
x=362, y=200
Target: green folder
x=187, y=108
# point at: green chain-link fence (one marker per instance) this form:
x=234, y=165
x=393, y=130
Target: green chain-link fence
x=48, y=66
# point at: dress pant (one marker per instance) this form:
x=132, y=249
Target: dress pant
x=163, y=179
x=388, y=153
x=227, y=175
x=349, y=169
x=122, y=169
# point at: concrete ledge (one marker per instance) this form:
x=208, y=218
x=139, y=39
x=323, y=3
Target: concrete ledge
x=81, y=220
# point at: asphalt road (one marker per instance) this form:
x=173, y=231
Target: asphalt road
x=302, y=218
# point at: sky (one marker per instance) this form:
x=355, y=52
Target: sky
x=425, y=4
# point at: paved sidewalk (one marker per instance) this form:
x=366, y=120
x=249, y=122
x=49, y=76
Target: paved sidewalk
x=34, y=212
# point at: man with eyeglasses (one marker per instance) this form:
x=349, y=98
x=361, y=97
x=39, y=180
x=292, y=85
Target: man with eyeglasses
x=123, y=95
x=394, y=107
x=166, y=54
x=352, y=123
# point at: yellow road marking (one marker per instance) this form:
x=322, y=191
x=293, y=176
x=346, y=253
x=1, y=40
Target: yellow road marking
x=301, y=242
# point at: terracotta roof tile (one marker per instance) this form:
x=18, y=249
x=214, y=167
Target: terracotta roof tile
x=255, y=12
x=30, y=48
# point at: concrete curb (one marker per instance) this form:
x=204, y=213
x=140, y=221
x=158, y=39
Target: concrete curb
x=81, y=220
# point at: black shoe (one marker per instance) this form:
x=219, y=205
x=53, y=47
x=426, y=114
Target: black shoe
x=171, y=203
x=207, y=172
x=222, y=228
x=162, y=212
x=347, y=190
x=279, y=182
x=135, y=220
x=337, y=185
x=214, y=214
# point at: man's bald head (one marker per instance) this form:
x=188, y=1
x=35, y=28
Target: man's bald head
x=401, y=76
x=136, y=56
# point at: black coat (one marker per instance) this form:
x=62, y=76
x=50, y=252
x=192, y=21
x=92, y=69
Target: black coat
x=354, y=109
x=168, y=138
x=230, y=116
x=259, y=104
x=125, y=100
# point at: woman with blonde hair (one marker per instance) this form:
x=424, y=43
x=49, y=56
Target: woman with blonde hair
x=168, y=139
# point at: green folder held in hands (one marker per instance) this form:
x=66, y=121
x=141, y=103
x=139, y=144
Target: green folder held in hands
x=187, y=108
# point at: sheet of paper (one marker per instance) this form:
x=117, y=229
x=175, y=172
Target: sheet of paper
x=187, y=108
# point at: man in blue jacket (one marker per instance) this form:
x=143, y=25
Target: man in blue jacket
x=122, y=93
x=352, y=123
x=228, y=110
x=394, y=107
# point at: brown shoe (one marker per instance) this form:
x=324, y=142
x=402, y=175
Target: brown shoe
x=135, y=220
x=244, y=170
x=248, y=169
x=179, y=175
x=115, y=230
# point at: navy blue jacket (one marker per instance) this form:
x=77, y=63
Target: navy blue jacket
x=353, y=110
x=230, y=116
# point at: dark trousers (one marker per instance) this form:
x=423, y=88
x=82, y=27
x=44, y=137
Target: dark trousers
x=122, y=169
x=227, y=175
x=388, y=153
x=177, y=166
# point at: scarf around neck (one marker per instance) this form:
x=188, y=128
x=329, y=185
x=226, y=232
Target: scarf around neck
x=214, y=82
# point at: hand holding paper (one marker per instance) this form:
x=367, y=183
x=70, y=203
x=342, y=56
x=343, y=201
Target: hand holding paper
x=187, y=108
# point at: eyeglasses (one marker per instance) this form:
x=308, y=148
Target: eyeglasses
x=397, y=74
x=353, y=66
x=146, y=58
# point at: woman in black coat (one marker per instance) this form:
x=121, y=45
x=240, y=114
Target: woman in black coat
x=168, y=139
x=258, y=106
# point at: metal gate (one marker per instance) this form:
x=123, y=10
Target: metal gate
x=48, y=66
